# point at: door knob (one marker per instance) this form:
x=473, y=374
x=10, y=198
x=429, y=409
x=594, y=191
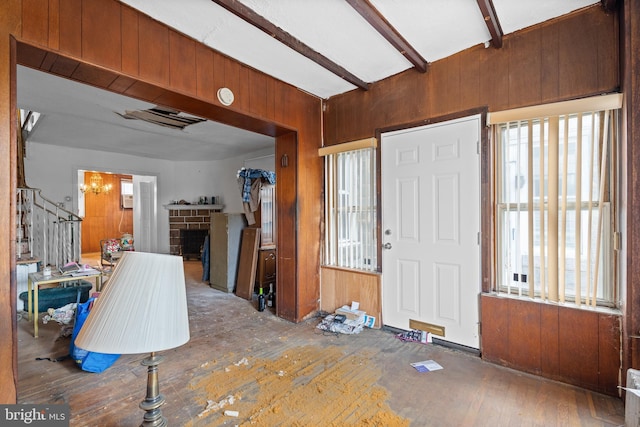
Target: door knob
x=386, y=246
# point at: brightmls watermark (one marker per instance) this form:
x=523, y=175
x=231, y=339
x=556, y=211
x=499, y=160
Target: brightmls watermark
x=35, y=415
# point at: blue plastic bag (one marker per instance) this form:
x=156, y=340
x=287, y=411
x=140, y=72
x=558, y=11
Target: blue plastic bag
x=88, y=360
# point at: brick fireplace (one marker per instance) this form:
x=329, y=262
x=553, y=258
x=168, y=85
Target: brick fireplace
x=188, y=217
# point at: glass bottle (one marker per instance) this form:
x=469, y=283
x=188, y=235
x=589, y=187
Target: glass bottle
x=270, y=296
x=260, y=300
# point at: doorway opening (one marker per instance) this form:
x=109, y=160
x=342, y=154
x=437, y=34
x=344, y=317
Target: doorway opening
x=116, y=205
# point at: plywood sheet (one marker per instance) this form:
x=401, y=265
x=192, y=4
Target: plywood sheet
x=248, y=262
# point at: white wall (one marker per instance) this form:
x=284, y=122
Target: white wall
x=54, y=171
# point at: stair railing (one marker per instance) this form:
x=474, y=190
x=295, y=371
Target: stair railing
x=45, y=230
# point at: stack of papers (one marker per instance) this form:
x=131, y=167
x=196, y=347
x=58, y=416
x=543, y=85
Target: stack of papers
x=426, y=366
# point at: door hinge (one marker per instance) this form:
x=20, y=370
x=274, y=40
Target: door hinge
x=478, y=146
x=479, y=238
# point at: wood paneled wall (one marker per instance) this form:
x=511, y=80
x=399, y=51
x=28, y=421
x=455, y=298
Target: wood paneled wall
x=579, y=347
x=104, y=216
x=9, y=24
x=111, y=46
x=571, y=57
x=631, y=126
x=341, y=287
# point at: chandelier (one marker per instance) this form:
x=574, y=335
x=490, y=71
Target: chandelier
x=96, y=185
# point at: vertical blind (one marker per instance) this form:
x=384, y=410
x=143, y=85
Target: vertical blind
x=350, y=199
x=554, y=196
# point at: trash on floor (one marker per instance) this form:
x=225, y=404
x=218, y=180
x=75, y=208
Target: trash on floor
x=415, y=335
x=426, y=366
x=63, y=315
x=347, y=320
x=215, y=406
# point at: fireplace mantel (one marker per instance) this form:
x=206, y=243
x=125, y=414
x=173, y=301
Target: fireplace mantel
x=183, y=207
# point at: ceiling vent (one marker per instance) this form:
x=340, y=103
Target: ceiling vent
x=162, y=116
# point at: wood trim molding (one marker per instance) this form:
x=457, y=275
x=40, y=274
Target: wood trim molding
x=594, y=103
x=348, y=146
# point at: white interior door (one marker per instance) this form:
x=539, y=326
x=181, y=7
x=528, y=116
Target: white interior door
x=145, y=214
x=430, y=228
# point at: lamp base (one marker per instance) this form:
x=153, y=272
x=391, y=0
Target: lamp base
x=154, y=400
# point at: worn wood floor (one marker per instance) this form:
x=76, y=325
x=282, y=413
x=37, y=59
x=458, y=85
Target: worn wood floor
x=276, y=373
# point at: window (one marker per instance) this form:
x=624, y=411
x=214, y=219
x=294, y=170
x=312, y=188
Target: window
x=126, y=193
x=350, y=200
x=555, y=222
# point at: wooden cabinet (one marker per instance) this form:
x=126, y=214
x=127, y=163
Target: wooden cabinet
x=266, y=269
x=224, y=249
x=266, y=272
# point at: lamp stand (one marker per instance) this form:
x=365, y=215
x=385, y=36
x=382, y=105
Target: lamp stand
x=154, y=400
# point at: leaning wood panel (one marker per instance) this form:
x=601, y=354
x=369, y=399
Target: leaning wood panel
x=247, y=263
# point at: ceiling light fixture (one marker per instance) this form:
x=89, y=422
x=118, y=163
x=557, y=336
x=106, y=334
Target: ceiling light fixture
x=225, y=96
x=96, y=185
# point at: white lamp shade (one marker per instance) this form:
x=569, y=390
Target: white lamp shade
x=142, y=309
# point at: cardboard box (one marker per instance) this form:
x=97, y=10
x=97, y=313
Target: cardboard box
x=351, y=314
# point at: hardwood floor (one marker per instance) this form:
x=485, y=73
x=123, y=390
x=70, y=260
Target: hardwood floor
x=273, y=372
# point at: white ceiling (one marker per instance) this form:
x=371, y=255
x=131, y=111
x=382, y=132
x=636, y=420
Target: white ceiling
x=81, y=116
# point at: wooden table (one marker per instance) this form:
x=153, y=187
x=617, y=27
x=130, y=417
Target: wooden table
x=36, y=279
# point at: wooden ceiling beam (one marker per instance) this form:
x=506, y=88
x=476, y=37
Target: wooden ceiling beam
x=491, y=20
x=379, y=22
x=251, y=17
